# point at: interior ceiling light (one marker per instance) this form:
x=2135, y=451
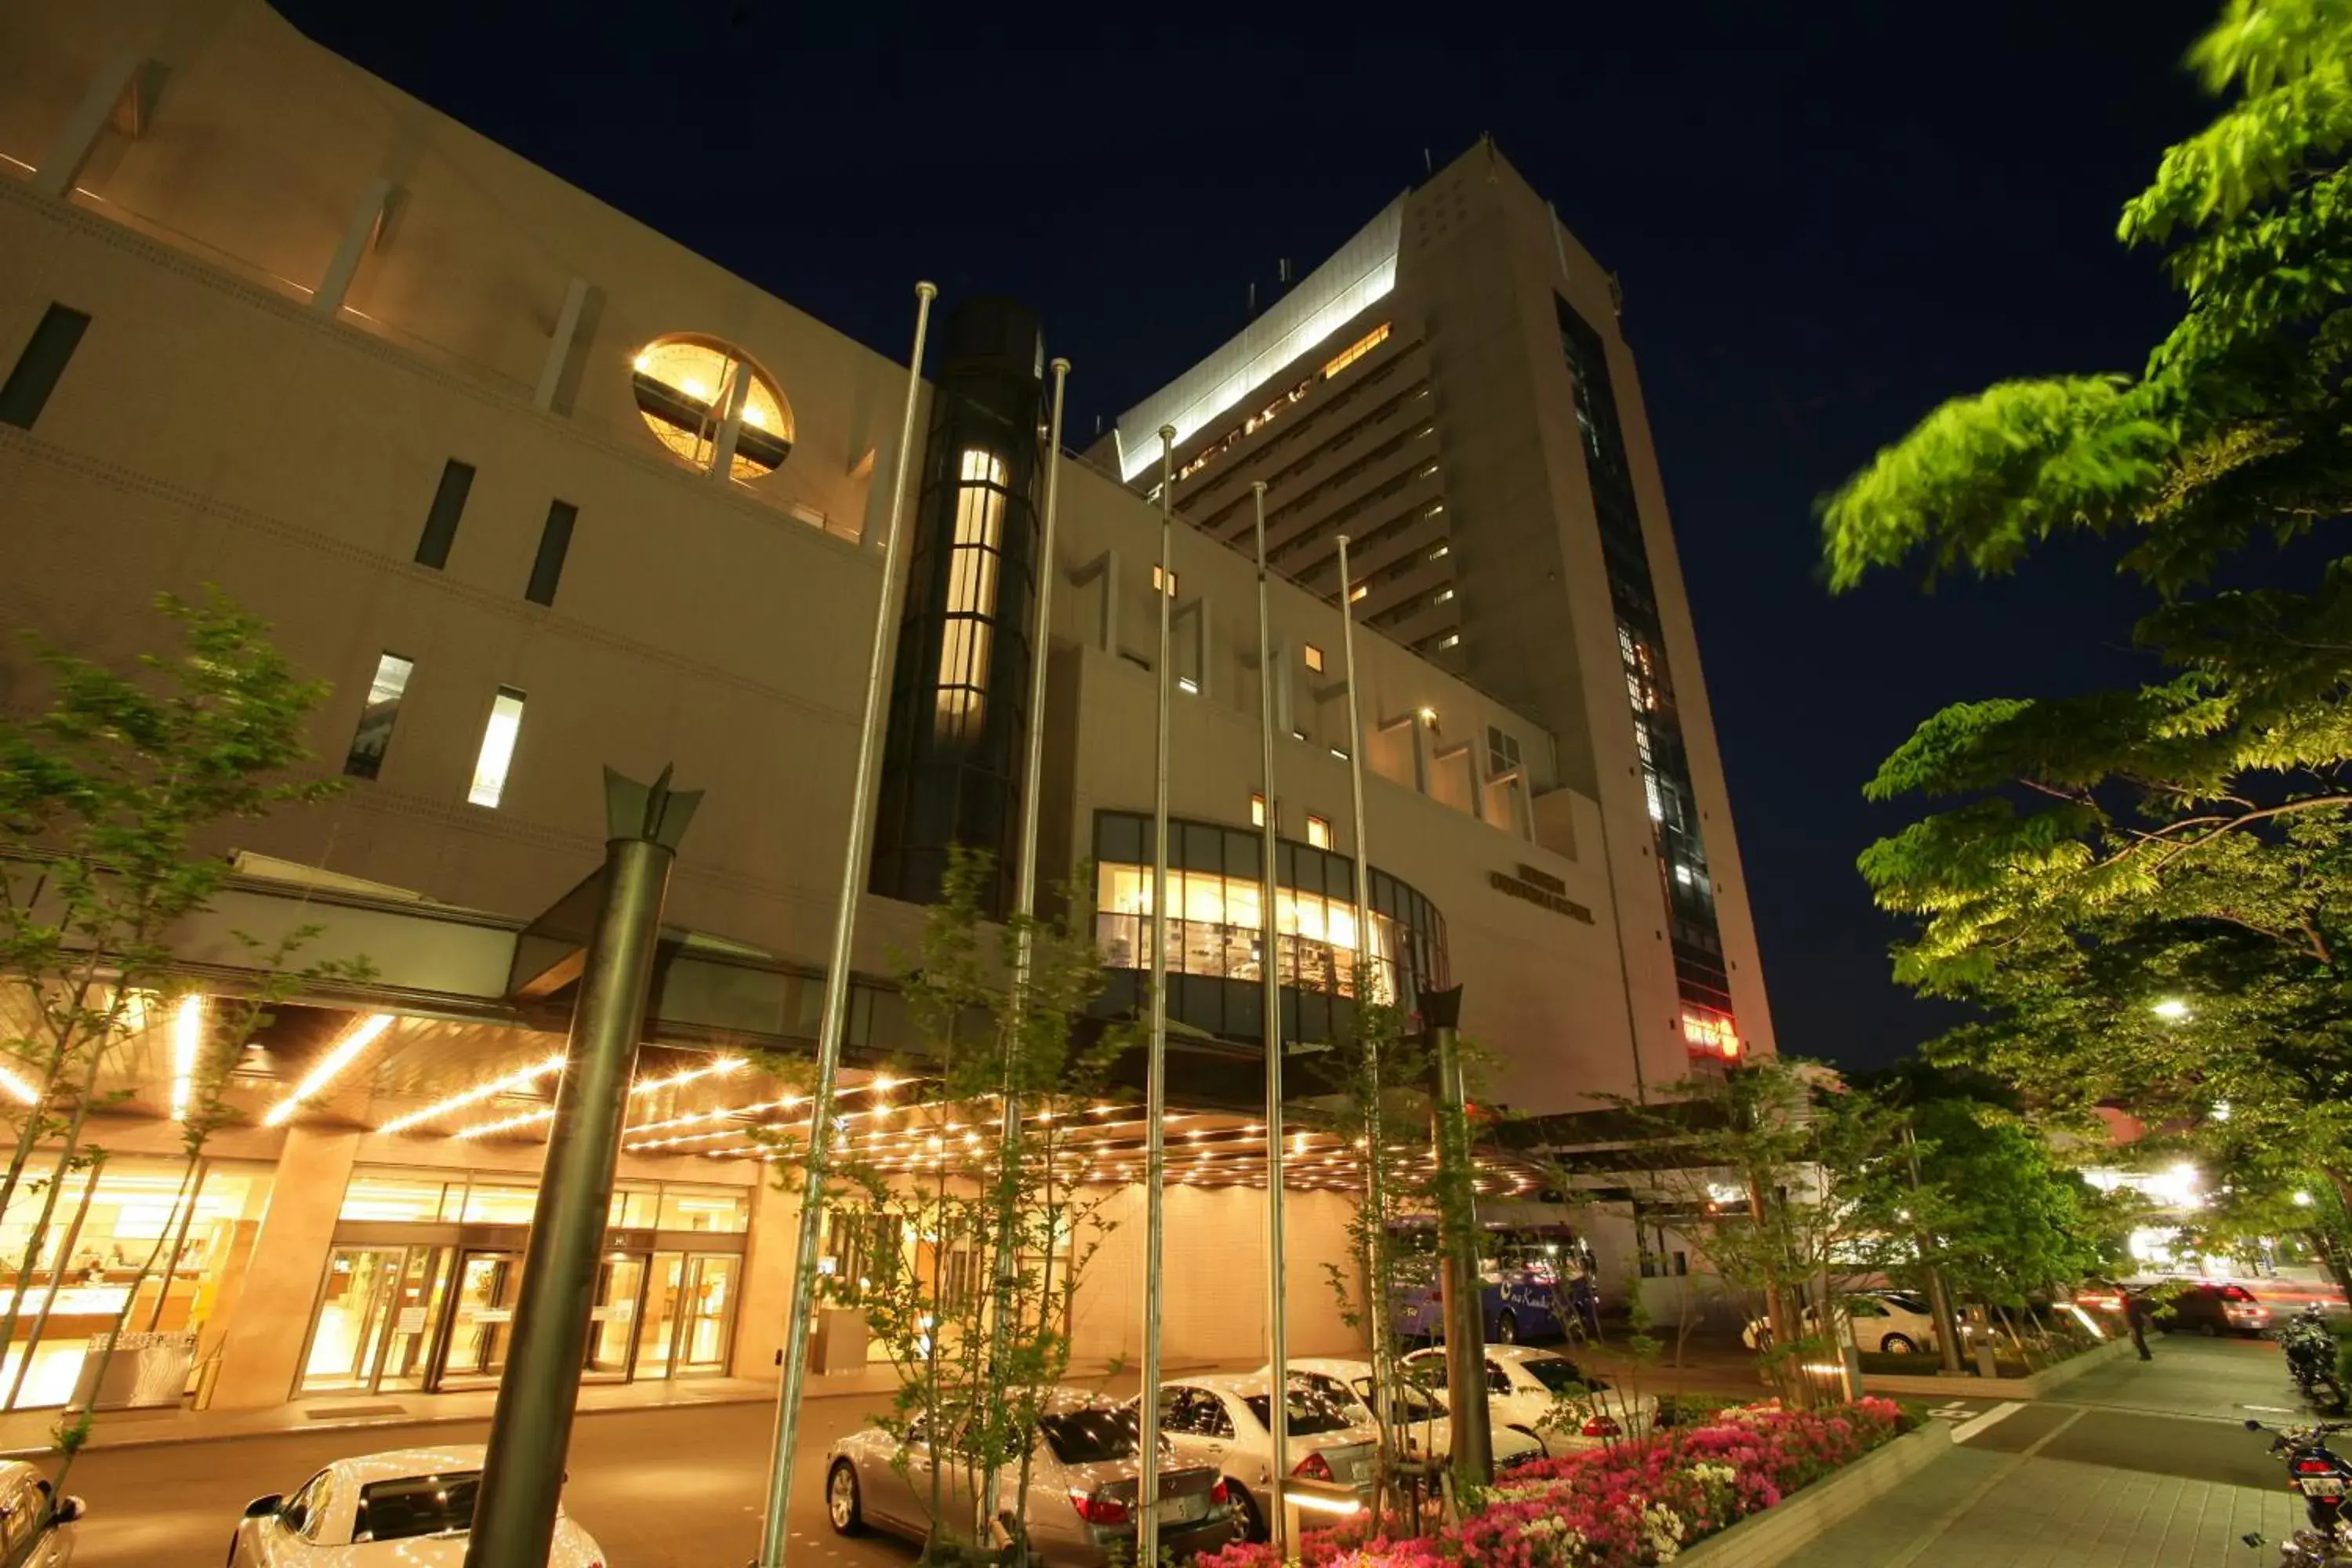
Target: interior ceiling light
x=328, y=1067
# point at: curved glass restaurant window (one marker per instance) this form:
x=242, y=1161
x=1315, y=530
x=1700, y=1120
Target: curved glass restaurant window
x=1216, y=924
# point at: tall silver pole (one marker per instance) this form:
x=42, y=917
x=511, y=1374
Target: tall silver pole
x=1025, y=905
x=1269, y=963
x=837, y=979
x=1376, y=1290
x=1155, y=1073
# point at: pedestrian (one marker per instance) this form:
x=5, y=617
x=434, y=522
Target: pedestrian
x=2136, y=1314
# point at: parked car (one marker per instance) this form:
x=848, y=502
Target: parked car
x=1418, y=1420
x=2103, y=1296
x=409, y=1508
x=1084, y=1475
x=1893, y=1322
x=30, y=1510
x=1522, y=1386
x=2209, y=1307
x=1221, y=1421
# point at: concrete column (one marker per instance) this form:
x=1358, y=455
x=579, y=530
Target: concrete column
x=261, y=1343
x=767, y=1294
x=118, y=94
x=370, y=227
x=562, y=346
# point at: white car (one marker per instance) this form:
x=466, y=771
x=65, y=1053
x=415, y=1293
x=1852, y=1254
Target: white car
x=1894, y=1322
x=30, y=1510
x=1420, y=1420
x=1221, y=1421
x=410, y=1507
x=1521, y=1384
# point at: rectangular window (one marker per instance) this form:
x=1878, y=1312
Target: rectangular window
x=441, y=523
x=1449, y=640
x=962, y=700
x=1356, y=593
x=1319, y=832
x=374, y=734
x=1356, y=351
x=1314, y=658
x=1171, y=580
x=1257, y=809
x=554, y=538
x=27, y=391
x=497, y=755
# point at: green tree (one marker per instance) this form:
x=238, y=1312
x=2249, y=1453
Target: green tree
x=2087, y=857
x=108, y=798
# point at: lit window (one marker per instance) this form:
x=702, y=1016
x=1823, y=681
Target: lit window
x=374, y=737
x=1319, y=832
x=1711, y=1034
x=1442, y=595
x=1356, y=351
x=1441, y=552
x=497, y=755
x=1187, y=685
x=1357, y=592
x=972, y=595
x=1450, y=640
x=1257, y=809
x=1429, y=471
x=1314, y=658
x=1167, y=580
x=683, y=386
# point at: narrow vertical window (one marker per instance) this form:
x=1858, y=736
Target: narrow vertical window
x=972, y=595
x=1314, y=658
x=1167, y=581
x=554, y=538
x=1257, y=809
x=1319, y=832
x=498, y=750
x=374, y=737
x=27, y=391
x=441, y=523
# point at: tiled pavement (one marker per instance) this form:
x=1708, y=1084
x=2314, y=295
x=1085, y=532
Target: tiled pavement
x=2133, y=1466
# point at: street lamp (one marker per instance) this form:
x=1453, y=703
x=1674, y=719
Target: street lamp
x=2303, y=1200
x=2170, y=1009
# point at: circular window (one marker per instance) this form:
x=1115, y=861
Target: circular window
x=683, y=388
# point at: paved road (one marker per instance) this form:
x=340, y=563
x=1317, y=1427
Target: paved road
x=677, y=1488
x=2131, y=1466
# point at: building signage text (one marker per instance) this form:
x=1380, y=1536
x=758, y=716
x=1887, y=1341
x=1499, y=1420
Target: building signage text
x=1540, y=888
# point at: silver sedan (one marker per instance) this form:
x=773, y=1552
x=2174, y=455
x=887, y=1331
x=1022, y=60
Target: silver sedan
x=1083, y=1481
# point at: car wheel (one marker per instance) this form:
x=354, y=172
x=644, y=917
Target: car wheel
x=1898, y=1344
x=842, y=1504
x=1507, y=1330
x=1245, y=1511
x=2208, y=1331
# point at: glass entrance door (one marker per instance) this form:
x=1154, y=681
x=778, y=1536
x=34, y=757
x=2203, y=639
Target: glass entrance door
x=482, y=1321
x=657, y=1326
x=415, y=1313
x=708, y=1313
x=612, y=1316
x=347, y=1339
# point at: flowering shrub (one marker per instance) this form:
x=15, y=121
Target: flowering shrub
x=1631, y=1503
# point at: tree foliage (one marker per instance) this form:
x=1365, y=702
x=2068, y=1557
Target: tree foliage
x=2083, y=858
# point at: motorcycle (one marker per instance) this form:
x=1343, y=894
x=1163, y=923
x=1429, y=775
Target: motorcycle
x=2322, y=1478
x=2311, y=1358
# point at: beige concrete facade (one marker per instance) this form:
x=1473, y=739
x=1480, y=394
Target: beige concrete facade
x=308, y=293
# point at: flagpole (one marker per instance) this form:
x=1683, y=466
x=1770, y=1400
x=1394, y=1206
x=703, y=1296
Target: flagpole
x=1024, y=901
x=1269, y=964
x=1155, y=1073
x=1376, y=1290
x=837, y=979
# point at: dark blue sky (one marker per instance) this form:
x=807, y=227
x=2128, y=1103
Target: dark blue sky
x=1826, y=219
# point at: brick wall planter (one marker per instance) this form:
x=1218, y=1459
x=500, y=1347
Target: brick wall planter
x=1766, y=1538
x=2032, y=1386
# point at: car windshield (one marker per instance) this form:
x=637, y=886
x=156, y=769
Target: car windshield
x=416, y=1505
x=1310, y=1412
x=1556, y=1374
x=1090, y=1435
x=1410, y=1401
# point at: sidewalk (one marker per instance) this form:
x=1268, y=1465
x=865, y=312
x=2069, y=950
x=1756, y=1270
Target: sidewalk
x=26, y=1434
x=2133, y=1465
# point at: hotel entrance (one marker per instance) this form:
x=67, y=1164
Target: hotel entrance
x=426, y=1275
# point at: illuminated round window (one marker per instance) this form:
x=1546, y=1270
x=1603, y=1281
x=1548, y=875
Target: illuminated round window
x=683, y=388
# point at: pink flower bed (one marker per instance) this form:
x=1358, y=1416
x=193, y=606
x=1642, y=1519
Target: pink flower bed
x=1632, y=1503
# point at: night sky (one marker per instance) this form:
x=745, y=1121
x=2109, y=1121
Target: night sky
x=1824, y=223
